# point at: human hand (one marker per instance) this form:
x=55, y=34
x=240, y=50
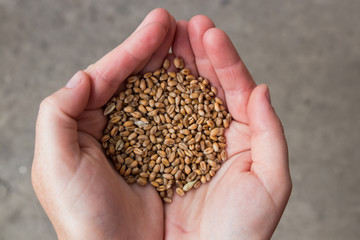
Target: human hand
x=247, y=196
x=80, y=192
x=85, y=198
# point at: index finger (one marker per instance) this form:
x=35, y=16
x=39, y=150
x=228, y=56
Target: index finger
x=107, y=73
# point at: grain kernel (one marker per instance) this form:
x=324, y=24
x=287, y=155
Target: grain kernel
x=177, y=62
x=169, y=142
x=128, y=109
x=141, y=181
x=188, y=186
x=180, y=192
x=166, y=64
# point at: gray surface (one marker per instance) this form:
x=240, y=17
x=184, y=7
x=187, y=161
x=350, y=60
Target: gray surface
x=307, y=51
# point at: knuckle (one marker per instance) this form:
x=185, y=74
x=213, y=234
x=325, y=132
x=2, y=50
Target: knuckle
x=97, y=75
x=46, y=108
x=47, y=103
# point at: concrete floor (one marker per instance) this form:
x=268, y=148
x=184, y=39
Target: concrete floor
x=307, y=51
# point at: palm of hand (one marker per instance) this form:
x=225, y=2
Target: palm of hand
x=234, y=197
x=91, y=195
x=231, y=194
x=113, y=202
x=233, y=200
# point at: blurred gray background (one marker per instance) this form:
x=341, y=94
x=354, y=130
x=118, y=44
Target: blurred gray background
x=308, y=52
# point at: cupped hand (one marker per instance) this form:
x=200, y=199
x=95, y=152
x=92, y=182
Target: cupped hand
x=86, y=199
x=80, y=192
x=247, y=196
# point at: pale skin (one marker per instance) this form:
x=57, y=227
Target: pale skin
x=86, y=199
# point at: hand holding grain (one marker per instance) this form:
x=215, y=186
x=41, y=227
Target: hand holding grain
x=86, y=199
x=80, y=192
x=248, y=194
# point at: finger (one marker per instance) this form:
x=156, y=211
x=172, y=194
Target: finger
x=107, y=73
x=92, y=122
x=197, y=27
x=156, y=15
x=181, y=46
x=232, y=73
x=268, y=146
x=56, y=127
x=160, y=54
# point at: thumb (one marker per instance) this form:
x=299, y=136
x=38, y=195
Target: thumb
x=268, y=146
x=56, y=127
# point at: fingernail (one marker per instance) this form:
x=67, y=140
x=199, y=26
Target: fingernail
x=74, y=81
x=267, y=95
